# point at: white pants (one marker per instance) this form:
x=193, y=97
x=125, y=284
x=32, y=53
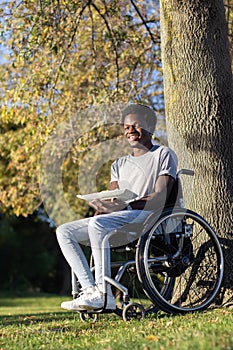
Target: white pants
x=91, y=231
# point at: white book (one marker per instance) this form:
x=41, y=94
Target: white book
x=124, y=195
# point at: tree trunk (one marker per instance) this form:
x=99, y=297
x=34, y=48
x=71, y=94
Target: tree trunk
x=198, y=89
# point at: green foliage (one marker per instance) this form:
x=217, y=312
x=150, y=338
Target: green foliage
x=229, y=16
x=35, y=323
x=29, y=255
x=63, y=57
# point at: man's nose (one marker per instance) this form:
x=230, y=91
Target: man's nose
x=131, y=128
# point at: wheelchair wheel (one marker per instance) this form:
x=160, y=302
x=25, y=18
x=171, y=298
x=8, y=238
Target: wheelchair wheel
x=183, y=249
x=133, y=311
x=129, y=278
x=136, y=292
x=90, y=317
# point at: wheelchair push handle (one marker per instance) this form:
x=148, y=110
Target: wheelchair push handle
x=185, y=172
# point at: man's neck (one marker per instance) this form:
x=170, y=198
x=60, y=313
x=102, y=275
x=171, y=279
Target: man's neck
x=142, y=149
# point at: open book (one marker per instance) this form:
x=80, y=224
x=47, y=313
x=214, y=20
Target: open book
x=124, y=195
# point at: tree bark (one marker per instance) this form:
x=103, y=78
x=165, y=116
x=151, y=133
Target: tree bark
x=198, y=91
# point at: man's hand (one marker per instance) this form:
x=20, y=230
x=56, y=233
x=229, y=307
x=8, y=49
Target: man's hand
x=106, y=207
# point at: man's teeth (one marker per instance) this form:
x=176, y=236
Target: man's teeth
x=133, y=137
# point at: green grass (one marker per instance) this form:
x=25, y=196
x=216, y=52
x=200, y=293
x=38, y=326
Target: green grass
x=37, y=322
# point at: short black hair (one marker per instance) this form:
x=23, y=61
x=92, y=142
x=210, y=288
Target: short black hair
x=141, y=110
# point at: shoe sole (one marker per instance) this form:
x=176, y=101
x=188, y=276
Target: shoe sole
x=78, y=309
x=89, y=307
x=73, y=309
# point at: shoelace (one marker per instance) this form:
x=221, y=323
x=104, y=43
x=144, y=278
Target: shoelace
x=86, y=291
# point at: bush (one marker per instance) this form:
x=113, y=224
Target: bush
x=30, y=257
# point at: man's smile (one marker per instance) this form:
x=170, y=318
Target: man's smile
x=133, y=136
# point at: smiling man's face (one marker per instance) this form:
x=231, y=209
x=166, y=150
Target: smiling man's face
x=136, y=130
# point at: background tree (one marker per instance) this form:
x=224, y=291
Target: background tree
x=198, y=90
x=67, y=55
x=64, y=57
x=30, y=258
x=229, y=17
x=61, y=57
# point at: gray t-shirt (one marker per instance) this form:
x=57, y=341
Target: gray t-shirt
x=139, y=174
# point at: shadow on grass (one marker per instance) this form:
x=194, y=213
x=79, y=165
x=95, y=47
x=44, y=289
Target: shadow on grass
x=59, y=317
x=33, y=315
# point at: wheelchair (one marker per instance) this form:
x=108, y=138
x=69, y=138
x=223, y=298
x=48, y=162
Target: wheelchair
x=176, y=265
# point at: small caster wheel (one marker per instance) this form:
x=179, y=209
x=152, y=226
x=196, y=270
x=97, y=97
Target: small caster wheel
x=133, y=310
x=88, y=316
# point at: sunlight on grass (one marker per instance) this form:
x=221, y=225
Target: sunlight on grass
x=24, y=305
x=38, y=322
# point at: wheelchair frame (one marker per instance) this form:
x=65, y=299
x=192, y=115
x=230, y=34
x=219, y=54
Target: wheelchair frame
x=149, y=265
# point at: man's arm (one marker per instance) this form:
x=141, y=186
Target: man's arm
x=156, y=199
x=153, y=201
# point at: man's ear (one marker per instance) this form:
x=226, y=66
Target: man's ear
x=148, y=132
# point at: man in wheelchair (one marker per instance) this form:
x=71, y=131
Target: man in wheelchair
x=150, y=172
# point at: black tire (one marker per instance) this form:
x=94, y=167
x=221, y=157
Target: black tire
x=88, y=317
x=133, y=311
x=194, y=277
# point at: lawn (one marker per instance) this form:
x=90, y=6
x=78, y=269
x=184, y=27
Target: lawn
x=37, y=322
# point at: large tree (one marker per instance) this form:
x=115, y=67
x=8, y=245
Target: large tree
x=198, y=89
x=66, y=55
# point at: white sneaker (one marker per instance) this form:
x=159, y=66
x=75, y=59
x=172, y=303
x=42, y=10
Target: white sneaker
x=74, y=304
x=111, y=304
x=71, y=305
x=90, y=299
x=96, y=301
